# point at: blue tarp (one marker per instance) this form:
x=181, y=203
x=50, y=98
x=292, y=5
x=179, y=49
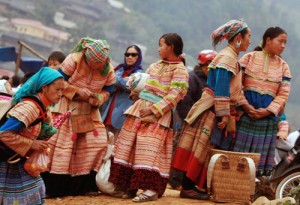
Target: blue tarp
x=27, y=65
x=31, y=65
x=8, y=54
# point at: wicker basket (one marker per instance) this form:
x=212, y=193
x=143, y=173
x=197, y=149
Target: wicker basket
x=231, y=176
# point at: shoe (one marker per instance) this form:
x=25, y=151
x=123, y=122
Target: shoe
x=143, y=198
x=192, y=194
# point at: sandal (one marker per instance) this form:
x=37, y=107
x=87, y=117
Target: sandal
x=143, y=198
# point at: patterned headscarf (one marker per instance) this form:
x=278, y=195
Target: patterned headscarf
x=94, y=50
x=33, y=85
x=227, y=31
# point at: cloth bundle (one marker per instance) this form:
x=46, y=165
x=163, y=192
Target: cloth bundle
x=137, y=81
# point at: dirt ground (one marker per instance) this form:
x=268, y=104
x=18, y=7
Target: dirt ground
x=171, y=197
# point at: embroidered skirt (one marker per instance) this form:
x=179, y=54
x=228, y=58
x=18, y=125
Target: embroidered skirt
x=77, y=157
x=17, y=187
x=257, y=136
x=143, y=155
x=193, y=151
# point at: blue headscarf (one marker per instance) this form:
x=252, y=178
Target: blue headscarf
x=33, y=85
x=137, y=64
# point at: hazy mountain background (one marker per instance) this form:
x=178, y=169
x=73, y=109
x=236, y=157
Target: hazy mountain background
x=144, y=21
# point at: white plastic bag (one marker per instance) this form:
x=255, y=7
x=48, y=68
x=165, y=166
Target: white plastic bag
x=102, y=179
x=103, y=174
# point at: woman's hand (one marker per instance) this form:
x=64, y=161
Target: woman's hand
x=145, y=112
x=94, y=101
x=259, y=113
x=247, y=108
x=39, y=145
x=223, y=123
x=84, y=93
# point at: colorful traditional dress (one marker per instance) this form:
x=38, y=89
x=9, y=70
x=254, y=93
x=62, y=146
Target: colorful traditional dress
x=80, y=145
x=224, y=88
x=24, y=125
x=16, y=186
x=266, y=85
x=143, y=150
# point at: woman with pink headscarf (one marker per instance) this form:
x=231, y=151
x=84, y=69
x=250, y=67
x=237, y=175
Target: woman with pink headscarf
x=79, y=146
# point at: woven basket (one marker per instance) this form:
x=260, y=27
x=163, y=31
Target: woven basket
x=231, y=176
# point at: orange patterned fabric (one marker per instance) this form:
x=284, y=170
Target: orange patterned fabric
x=84, y=154
x=267, y=79
x=26, y=112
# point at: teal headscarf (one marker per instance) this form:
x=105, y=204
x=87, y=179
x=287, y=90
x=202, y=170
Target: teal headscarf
x=33, y=85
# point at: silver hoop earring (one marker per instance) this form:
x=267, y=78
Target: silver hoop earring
x=238, y=44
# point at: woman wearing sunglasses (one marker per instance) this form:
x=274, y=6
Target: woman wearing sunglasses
x=113, y=109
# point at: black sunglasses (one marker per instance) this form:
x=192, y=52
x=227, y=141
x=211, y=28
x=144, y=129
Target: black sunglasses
x=131, y=54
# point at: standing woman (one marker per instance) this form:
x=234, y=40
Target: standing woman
x=212, y=112
x=266, y=90
x=19, y=135
x=143, y=150
x=79, y=146
x=114, y=108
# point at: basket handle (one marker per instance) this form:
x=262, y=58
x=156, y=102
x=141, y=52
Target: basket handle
x=211, y=166
x=252, y=169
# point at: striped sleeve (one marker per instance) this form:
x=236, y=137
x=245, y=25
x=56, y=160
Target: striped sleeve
x=177, y=91
x=16, y=142
x=68, y=67
x=283, y=91
x=26, y=112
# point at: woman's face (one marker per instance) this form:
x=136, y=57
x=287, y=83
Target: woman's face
x=246, y=41
x=53, y=92
x=164, y=50
x=131, y=56
x=96, y=65
x=276, y=45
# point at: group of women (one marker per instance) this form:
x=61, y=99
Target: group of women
x=257, y=85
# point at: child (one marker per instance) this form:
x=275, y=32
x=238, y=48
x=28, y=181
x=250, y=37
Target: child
x=143, y=150
x=55, y=59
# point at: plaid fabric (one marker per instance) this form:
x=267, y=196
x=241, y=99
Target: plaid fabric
x=95, y=50
x=257, y=136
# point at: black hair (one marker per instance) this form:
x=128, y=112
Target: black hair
x=271, y=32
x=175, y=40
x=15, y=81
x=242, y=32
x=5, y=77
x=57, y=55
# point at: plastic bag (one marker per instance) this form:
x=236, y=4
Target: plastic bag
x=37, y=163
x=103, y=174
